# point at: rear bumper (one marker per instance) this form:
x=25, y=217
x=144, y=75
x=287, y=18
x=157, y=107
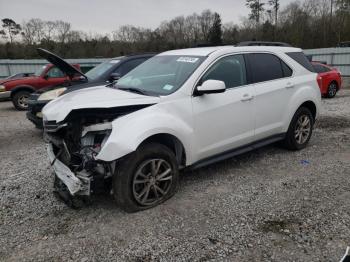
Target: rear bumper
x=6, y=94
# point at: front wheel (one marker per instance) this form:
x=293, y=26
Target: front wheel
x=145, y=178
x=300, y=129
x=20, y=100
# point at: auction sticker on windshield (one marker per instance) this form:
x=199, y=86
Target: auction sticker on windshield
x=187, y=59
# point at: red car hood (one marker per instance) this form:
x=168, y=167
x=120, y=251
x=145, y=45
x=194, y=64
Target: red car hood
x=23, y=80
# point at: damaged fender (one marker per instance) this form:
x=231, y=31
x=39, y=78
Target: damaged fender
x=129, y=131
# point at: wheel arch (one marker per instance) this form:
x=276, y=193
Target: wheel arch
x=170, y=141
x=311, y=106
x=21, y=88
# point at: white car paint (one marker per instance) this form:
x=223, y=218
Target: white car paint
x=206, y=125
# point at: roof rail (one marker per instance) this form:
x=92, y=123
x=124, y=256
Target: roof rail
x=262, y=43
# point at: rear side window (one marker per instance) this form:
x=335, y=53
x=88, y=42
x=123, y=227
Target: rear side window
x=287, y=72
x=265, y=67
x=301, y=59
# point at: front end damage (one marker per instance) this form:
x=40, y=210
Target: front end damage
x=73, y=146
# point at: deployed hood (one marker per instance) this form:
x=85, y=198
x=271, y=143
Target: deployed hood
x=60, y=63
x=93, y=98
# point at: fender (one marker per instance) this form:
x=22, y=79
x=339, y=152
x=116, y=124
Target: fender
x=22, y=87
x=302, y=95
x=129, y=131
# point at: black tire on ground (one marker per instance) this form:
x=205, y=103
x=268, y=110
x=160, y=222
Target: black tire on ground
x=332, y=90
x=300, y=130
x=139, y=182
x=19, y=100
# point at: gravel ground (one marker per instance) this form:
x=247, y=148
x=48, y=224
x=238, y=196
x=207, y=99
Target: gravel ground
x=267, y=205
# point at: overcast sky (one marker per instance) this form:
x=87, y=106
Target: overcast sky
x=104, y=16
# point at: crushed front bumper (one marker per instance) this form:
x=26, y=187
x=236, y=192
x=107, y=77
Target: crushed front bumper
x=77, y=184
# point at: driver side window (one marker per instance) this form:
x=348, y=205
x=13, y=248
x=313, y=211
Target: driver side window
x=54, y=72
x=230, y=69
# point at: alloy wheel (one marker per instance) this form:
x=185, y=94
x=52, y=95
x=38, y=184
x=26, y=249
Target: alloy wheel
x=302, y=129
x=332, y=90
x=152, y=181
x=23, y=101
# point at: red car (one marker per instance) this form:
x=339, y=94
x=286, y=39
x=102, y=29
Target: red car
x=20, y=89
x=331, y=79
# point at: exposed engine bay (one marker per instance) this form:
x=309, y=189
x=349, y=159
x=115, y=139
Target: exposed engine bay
x=73, y=146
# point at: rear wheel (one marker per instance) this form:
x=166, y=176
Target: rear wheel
x=300, y=129
x=20, y=100
x=332, y=90
x=146, y=178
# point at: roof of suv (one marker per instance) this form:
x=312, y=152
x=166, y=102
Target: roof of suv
x=205, y=51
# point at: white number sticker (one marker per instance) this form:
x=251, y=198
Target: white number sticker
x=187, y=59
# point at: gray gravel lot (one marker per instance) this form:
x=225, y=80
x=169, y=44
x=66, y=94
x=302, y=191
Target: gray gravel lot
x=267, y=205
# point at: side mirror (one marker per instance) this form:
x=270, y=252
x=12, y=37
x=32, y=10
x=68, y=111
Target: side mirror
x=211, y=87
x=114, y=77
x=46, y=77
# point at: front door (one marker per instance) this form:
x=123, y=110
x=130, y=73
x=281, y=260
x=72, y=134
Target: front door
x=224, y=121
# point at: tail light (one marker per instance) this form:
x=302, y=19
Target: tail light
x=319, y=81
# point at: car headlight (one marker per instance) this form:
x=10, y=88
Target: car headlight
x=50, y=95
x=2, y=88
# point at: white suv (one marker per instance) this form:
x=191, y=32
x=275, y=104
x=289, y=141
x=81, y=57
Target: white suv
x=180, y=109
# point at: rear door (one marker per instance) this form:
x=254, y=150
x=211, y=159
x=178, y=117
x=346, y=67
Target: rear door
x=273, y=86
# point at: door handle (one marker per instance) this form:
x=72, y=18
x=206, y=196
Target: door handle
x=247, y=97
x=289, y=85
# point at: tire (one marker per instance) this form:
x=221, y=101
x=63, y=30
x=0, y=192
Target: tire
x=332, y=90
x=298, y=141
x=136, y=187
x=20, y=99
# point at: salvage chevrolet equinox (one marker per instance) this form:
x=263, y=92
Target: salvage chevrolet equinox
x=180, y=109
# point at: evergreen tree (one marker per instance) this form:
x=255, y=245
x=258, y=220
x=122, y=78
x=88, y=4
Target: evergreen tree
x=215, y=34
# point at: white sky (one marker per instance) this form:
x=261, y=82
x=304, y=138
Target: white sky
x=104, y=16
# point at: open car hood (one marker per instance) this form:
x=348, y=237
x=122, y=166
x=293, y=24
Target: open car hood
x=70, y=70
x=100, y=97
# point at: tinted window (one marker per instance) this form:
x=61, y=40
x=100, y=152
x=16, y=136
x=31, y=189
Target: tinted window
x=287, y=71
x=265, y=67
x=54, y=72
x=129, y=65
x=302, y=60
x=319, y=68
x=230, y=70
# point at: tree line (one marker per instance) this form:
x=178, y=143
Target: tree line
x=307, y=24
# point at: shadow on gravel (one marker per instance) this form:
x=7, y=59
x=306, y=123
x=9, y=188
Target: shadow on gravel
x=333, y=122
x=283, y=226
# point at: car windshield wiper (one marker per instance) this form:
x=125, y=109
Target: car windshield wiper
x=133, y=89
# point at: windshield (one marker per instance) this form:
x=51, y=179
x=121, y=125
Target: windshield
x=161, y=75
x=101, y=69
x=40, y=71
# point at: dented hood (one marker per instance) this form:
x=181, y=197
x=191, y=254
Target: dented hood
x=93, y=97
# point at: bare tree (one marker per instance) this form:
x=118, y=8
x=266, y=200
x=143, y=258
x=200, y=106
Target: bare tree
x=10, y=29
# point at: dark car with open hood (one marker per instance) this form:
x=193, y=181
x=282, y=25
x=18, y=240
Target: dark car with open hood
x=18, y=89
x=103, y=74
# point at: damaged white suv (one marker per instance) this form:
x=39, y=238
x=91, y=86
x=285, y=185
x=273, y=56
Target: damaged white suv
x=180, y=109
